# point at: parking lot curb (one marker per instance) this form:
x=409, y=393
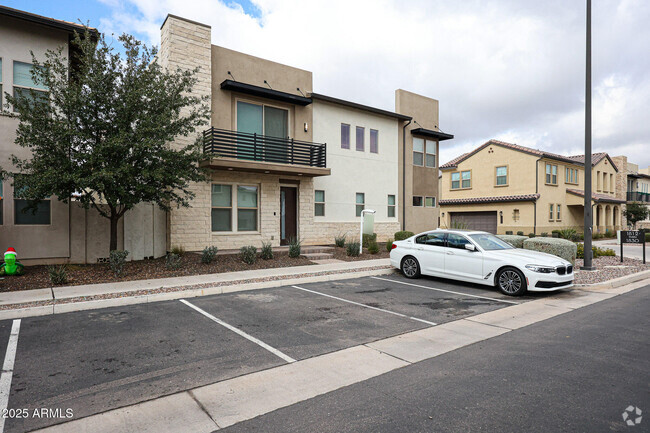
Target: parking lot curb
x=616, y=282
x=66, y=305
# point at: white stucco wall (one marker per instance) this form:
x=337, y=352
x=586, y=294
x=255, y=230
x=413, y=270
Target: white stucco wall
x=374, y=174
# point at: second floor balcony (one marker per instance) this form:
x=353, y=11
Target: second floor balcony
x=638, y=196
x=238, y=151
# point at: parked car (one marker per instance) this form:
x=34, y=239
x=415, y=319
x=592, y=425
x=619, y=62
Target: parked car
x=480, y=257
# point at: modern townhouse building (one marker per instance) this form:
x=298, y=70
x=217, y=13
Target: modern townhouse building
x=634, y=184
x=501, y=187
x=286, y=162
x=57, y=232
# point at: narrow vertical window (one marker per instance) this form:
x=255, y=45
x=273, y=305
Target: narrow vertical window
x=455, y=180
x=598, y=188
x=319, y=203
x=550, y=212
x=246, y=208
x=391, y=206
x=467, y=178
x=374, y=141
x=221, y=208
x=345, y=136
x=361, y=202
x=361, y=132
x=502, y=175
x=430, y=156
x=559, y=212
x=24, y=84
x=418, y=151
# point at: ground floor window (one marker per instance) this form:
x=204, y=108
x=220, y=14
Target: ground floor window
x=391, y=206
x=319, y=203
x=26, y=215
x=550, y=212
x=430, y=202
x=417, y=201
x=223, y=197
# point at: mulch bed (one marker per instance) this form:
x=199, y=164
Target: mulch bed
x=340, y=254
x=37, y=277
x=608, y=268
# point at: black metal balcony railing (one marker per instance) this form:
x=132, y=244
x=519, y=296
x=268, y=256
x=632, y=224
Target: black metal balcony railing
x=232, y=144
x=638, y=196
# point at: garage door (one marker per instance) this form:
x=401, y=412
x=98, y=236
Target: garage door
x=484, y=221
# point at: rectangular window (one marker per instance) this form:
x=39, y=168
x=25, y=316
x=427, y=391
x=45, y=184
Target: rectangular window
x=551, y=174
x=455, y=180
x=430, y=153
x=605, y=186
x=418, y=151
x=430, y=202
x=24, y=83
x=246, y=208
x=571, y=175
x=502, y=175
x=611, y=184
x=391, y=206
x=374, y=141
x=31, y=216
x=319, y=203
x=361, y=133
x=361, y=202
x=345, y=136
x=221, y=208
x=598, y=188
x=417, y=201
x=550, y=212
x=466, y=177
x=558, y=212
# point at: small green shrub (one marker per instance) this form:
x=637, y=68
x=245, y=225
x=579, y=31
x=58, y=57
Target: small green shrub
x=267, y=251
x=294, y=247
x=597, y=236
x=116, y=261
x=179, y=251
x=173, y=261
x=544, y=234
x=352, y=249
x=58, y=274
x=404, y=234
x=459, y=225
x=597, y=252
x=568, y=234
x=373, y=248
x=555, y=231
x=531, y=235
x=609, y=233
x=515, y=240
x=508, y=232
x=339, y=240
x=559, y=247
x=555, y=235
x=368, y=239
x=389, y=245
x=248, y=254
x=520, y=233
x=209, y=254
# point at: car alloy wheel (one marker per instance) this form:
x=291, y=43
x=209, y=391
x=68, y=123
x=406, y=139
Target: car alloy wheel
x=511, y=282
x=410, y=267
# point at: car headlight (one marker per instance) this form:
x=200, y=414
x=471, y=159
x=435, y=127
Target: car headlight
x=541, y=269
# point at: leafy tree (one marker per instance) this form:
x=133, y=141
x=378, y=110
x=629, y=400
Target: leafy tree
x=635, y=212
x=102, y=133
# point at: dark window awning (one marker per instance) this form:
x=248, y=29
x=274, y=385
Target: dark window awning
x=428, y=133
x=264, y=92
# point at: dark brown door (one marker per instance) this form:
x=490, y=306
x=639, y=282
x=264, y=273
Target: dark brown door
x=288, y=214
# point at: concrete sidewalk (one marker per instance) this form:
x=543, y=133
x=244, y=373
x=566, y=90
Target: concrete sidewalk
x=54, y=300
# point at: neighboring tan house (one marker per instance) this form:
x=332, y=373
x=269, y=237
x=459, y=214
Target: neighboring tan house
x=501, y=187
x=634, y=184
x=286, y=162
x=57, y=232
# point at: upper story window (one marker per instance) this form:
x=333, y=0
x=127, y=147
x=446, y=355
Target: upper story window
x=262, y=120
x=612, y=185
x=598, y=187
x=424, y=152
x=430, y=149
x=24, y=83
x=418, y=151
x=418, y=201
x=551, y=174
x=605, y=187
x=345, y=136
x=374, y=141
x=502, y=175
x=462, y=179
x=361, y=133
x=430, y=202
x=571, y=175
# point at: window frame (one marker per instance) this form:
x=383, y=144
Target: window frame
x=421, y=201
x=461, y=180
x=427, y=153
x=264, y=104
x=376, y=146
x=316, y=203
x=421, y=153
x=343, y=146
x=16, y=210
x=392, y=207
x=234, y=208
x=257, y=208
x=496, y=175
x=433, y=200
x=44, y=92
x=558, y=212
x=222, y=207
x=571, y=175
x=357, y=203
x=361, y=129
x=549, y=175
x=551, y=212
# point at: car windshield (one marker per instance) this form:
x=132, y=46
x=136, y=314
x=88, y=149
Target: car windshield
x=490, y=242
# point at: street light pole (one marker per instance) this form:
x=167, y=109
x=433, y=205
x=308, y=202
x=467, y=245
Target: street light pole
x=588, y=222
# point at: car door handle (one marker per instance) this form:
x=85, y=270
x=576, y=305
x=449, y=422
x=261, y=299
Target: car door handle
x=450, y=253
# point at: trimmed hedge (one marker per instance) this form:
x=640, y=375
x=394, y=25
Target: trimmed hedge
x=515, y=240
x=558, y=247
x=404, y=234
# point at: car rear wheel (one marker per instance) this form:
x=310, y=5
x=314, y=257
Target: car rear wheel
x=410, y=267
x=511, y=282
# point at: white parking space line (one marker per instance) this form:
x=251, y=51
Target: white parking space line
x=260, y=343
x=366, y=306
x=447, y=291
x=8, y=371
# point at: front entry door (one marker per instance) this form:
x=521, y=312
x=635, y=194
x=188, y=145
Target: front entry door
x=288, y=214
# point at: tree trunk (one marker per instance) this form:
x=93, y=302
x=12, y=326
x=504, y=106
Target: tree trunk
x=114, y=219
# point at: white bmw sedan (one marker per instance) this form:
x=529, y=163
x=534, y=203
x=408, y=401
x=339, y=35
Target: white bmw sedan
x=480, y=257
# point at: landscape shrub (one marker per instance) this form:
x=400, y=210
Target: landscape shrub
x=173, y=261
x=508, y=232
x=647, y=236
x=352, y=249
x=373, y=248
x=58, y=274
x=609, y=233
x=248, y=254
x=515, y=240
x=116, y=261
x=368, y=239
x=597, y=236
x=597, y=252
x=520, y=233
x=555, y=235
x=209, y=254
x=267, y=251
x=404, y=234
x=389, y=244
x=558, y=247
x=339, y=240
x=294, y=247
x=179, y=251
x=531, y=235
x=568, y=233
x=544, y=234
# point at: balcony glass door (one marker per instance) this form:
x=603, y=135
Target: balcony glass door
x=250, y=120
x=267, y=123
x=275, y=125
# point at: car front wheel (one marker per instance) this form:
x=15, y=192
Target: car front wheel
x=511, y=282
x=410, y=267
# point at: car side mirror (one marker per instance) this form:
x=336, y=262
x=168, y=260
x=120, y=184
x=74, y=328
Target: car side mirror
x=470, y=247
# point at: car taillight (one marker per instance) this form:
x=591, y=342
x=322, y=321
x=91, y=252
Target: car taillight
x=393, y=247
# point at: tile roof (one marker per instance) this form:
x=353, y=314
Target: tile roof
x=504, y=198
x=40, y=19
x=596, y=158
x=595, y=196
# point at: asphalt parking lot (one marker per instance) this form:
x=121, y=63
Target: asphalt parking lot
x=94, y=361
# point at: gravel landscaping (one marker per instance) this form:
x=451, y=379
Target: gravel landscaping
x=608, y=268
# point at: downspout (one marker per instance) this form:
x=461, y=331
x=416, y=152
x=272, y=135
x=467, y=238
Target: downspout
x=536, y=192
x=404, y=174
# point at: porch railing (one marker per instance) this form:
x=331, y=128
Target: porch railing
x=638, y=196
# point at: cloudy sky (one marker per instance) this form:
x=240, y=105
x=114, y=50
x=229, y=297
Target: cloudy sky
x=506, y=69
